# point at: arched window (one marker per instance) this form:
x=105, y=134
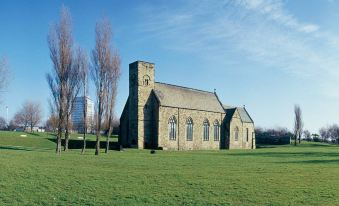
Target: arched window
x=246, y=134
x=172, y=128
x=206, y=129
x=189, y=129
x=146, y=80
x=216, y=130
x=236, y=134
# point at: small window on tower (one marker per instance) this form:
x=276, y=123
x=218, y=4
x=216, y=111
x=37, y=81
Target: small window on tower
x=146, y=80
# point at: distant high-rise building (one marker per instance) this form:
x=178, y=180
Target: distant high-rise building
x=78, y=113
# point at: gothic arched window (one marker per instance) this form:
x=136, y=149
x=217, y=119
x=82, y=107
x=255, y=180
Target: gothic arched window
x=206, y=128
x=236, y=133
x=146, y=80
x=216, y=130
x=189, y=129
x=172, y=128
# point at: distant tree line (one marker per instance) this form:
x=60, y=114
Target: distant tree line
x=328, y=134
x=274, y=136
x=277, y=136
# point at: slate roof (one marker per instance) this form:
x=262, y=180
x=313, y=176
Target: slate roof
x=229, y=112
x=188, y=98
x=244, y=116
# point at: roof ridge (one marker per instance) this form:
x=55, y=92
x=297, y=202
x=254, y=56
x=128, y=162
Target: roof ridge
x=185, y=87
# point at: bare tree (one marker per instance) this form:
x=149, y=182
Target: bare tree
x=83, y=75
x=113, y=78
x=102, y=65
x=330, y=133
x=21, y=119
x=3, y=124
x=298, y=124
x=325, y=134
x=73, y=85
x=52, y=123
x=34, y=113
x=307, y=135
x=29, y=115
x=60, y=44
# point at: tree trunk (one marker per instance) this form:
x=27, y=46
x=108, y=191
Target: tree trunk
x=97, y=145
x=66, y=133
x=85, y=121
x=66, y=140
x=58, y=148
x=295, y=140
x=107, y=140
x=84, y=146
x=299, y=139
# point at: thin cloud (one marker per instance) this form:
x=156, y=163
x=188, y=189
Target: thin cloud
x=263, y=31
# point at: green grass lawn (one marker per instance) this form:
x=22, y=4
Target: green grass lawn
x=31, y=174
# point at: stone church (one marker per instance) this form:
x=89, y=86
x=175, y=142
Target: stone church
x=170, y=117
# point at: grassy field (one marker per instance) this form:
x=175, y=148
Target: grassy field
x=31, y=174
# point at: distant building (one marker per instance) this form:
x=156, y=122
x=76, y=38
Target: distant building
x=160, y=115
x=78, y=113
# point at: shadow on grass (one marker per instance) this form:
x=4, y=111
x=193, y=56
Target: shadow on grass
x=317, y=145
x=90, y=144
x=33, y=134
x=288, y=154
x=335, y=161
x=265, y=146
x=19, y=148
x=15, y=148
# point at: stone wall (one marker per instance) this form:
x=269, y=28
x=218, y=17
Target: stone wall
x=243, y=142
x=181, y=116
x=124, y=127
x=141, y=84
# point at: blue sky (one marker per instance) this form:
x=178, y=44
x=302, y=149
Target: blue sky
x=267, y=55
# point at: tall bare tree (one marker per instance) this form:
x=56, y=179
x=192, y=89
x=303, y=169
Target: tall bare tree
x=298, y=124
x=83, y=75
x=73, y=85
x=102, y=65
x=113, y=78
x=60, y=45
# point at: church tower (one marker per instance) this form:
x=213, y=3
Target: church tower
x=141, y=84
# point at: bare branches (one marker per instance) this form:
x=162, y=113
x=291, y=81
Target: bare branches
x=83, y=74
x=29, y=115
x=298, y=124
x=113, y=78
x=105, y=68
x=73, y=86
x=60, y=44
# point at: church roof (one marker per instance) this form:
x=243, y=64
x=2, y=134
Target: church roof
x=244, y=116
x=188, y=98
